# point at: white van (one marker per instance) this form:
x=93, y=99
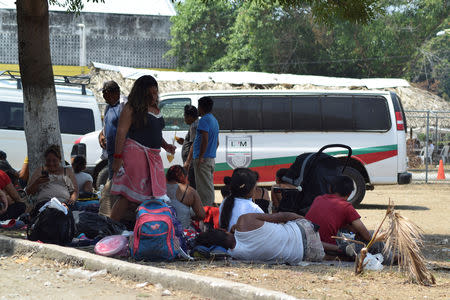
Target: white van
x=78, y=115
x=266, y=130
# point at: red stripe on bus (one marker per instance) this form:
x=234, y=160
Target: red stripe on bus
x=371, y=158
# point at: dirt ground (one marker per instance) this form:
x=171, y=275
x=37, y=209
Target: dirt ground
x=26, y=277
x=427, y=205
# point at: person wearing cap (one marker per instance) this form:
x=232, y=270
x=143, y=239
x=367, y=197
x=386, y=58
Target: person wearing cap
x=107, y=137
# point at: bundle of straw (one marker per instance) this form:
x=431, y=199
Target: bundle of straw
x=404, y=238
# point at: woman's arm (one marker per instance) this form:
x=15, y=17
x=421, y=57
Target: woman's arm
x=197, y=205
x=125, y=121
x=35, y=182
x=4, y=201
x=12, y=192
x=168, y=147
x=75, y=193
x=24, y=173
x=87, y=187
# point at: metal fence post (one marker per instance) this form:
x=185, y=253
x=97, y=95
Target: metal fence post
x=426, y=143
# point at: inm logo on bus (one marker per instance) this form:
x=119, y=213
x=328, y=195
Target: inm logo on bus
x=239, y=151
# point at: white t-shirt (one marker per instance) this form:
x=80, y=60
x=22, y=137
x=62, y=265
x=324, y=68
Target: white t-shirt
x=241, y=207
x=82, y=178
x=271, y=242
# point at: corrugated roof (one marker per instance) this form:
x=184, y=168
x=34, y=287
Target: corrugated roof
x=129, y=7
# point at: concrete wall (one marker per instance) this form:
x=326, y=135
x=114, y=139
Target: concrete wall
x=125, y=40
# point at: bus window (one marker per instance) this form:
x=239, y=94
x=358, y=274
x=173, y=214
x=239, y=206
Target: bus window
x=173, y=113
x=306, y=113
x=371, y=113
x=337, y=113
x=247, y=113
x=276, y=113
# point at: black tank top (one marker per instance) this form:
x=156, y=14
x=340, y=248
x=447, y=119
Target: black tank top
x=149, y=135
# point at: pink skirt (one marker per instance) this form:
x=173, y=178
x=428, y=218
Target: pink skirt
x=142, y=175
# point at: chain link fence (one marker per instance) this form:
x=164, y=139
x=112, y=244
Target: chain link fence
x=428, y=143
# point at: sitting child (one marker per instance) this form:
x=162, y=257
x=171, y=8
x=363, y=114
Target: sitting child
x=84, y=180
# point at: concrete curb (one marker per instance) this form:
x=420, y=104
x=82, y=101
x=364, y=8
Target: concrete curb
x=172, y=279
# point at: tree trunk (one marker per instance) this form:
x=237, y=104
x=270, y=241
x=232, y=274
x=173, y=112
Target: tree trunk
x=41, y=121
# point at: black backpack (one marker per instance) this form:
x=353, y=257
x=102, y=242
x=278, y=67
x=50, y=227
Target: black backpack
x=52, y=226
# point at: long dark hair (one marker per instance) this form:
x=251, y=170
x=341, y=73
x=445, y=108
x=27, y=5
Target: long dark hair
x=140, y=97
x=242, y=182
x=176, y=173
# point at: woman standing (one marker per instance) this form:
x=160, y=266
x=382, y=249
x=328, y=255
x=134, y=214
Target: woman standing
x=138, y=168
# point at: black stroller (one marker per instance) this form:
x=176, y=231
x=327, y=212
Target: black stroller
x=311, y=173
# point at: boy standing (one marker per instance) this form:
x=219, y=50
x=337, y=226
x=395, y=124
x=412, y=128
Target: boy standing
x=204, y=151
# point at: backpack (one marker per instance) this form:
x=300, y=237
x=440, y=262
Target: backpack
x=52, y=226
x=154, y=233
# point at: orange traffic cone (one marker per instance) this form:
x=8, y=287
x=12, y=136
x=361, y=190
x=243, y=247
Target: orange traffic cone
x=441, y=174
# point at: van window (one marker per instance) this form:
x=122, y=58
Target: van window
x=302, y=113
x=173, y=113
x=371, y=113
x=247, y=113
x=222, y=111
x=306, y=114
x=11, y=115
x=337, y=114
x=74, y=120
x=276, y=113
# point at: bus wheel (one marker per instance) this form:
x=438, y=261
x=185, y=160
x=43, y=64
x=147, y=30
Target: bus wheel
x=358, y=193
x=102, y=177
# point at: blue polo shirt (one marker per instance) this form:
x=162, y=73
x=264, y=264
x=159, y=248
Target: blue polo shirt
x=112, y=114
x=209, y=124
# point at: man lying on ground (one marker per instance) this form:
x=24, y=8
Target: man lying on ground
x=281, y=237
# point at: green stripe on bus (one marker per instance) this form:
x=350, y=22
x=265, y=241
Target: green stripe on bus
x=290, y=159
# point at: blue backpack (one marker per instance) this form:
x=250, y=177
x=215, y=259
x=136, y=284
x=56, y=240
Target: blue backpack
x=154, y=233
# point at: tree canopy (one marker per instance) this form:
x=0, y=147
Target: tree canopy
x=281, y=37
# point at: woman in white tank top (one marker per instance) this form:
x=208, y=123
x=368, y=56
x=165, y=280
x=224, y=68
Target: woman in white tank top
x=239, y=202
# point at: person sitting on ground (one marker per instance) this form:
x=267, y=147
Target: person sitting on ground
x=183, y=198
x=6, y=167
x=333, y=213
x=282, y=237
x=84, y=180
x=225, y=190
x=53, y=180
x=12, y=206
x=242, y=187
x=261, y=197
x=279, y=183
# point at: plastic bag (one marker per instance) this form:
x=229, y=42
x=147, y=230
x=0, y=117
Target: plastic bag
x=373, y=262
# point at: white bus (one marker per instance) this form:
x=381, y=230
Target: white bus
x=266, y=130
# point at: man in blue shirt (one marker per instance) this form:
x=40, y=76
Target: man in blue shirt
x=205, y=146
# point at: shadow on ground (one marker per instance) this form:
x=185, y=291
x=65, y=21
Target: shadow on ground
x=397, y=207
